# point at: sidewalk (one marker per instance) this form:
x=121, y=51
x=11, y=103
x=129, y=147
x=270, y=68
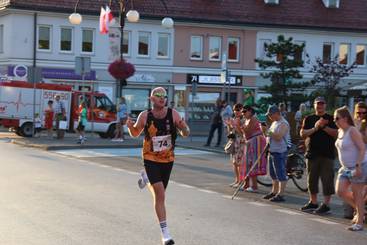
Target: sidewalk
x=94, y=141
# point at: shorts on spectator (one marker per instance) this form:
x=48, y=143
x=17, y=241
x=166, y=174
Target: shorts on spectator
x=343, y=175
x=277, y=166
x=80, y=126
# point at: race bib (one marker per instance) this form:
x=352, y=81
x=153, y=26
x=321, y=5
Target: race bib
x=161, y=143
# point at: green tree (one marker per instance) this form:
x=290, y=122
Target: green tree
x=328, y=75
x=282, y=60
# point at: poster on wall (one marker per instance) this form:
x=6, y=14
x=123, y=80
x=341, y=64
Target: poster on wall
x=114, y=41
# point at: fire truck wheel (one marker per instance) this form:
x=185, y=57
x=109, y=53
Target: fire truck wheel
x=111, y=131
x=18, y=131
x=103, y=135
x=26, y=129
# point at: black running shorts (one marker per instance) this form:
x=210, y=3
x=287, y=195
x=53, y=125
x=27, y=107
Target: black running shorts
x=80, y=127
x=158, y=172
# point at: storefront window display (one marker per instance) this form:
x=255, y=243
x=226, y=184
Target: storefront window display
x=202, y=106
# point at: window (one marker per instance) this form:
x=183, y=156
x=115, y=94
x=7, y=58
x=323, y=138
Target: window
x=87, y=43
x=144, y=41
x=327, y=52
x=126, y=43
x=215, y=48
x=196, y=51
x=1, y=38
x=361, y=55
x=66, y=37
x=344, y=50
x=44, y=38
x=233, y=49
x=163, y=45
x=262, y=43
x=298, y=55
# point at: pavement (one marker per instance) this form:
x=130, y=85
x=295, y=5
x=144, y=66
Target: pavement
x=95, y=142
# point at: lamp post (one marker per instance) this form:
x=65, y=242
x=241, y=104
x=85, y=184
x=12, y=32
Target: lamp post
x=132, y=16
x=224, y=75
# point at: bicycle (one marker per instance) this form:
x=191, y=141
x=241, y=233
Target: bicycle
x=296, y=170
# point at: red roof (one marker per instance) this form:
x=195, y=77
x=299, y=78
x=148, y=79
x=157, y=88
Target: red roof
x=351, y=16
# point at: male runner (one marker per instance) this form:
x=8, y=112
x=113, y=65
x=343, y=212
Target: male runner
x=160, y=126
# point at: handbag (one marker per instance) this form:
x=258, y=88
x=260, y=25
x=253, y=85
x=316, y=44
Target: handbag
x=62, y=124
x=229, y=148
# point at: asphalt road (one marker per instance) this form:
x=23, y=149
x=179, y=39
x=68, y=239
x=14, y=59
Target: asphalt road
x=53, y=198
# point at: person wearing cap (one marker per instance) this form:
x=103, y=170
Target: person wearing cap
x=319, y=132
x=278, y=137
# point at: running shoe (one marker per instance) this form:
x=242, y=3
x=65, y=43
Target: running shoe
x=143, y=181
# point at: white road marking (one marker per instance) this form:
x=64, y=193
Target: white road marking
x=260, y=204
x=324, y=221
x=208, y=191
x=288, y=212
x=116, y=152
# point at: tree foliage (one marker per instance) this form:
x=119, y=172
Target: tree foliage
x=328, y=76
x=281, y=62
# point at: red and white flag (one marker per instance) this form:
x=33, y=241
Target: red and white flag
x=105, y=18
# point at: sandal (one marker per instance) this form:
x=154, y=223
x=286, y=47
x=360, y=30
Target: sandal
x=355, y=227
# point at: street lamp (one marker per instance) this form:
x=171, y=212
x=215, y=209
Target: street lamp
x=132, y=16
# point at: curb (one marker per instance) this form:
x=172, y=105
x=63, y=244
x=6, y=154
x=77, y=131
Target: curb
x=69, y=147
x=201, y=148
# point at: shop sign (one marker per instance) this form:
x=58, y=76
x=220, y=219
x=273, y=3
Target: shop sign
x=212, y=79
x=53, y=73
x=20, y=71
x=143, y=78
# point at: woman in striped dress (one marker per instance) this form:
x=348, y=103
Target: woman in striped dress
x=255, y=144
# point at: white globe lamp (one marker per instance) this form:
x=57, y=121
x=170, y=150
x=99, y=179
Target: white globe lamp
x=133, y=16
x=167, y=22
x=75, y=18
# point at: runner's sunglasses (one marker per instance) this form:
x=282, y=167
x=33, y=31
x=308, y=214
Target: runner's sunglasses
x=160, y=95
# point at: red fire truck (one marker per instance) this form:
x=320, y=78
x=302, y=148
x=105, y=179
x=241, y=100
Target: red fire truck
x=20, y=101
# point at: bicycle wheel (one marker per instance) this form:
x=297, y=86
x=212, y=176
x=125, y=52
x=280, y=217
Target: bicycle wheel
x=264, y=180
x=297, y=172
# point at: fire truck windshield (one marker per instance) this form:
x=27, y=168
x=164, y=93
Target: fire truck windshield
x=104, y=103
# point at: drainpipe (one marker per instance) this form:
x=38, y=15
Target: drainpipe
x=34, y=68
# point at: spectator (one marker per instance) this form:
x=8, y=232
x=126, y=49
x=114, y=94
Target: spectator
x=351, y=152
x=60, y=115
x=278, y=138
x=121, y=120
x=299, y=117
x=283, y=110
x=227, y=111
x=82, y=122
x=255, y=144
x=37, y=125
x=320, y=132
x=49, y=115
x=360, y=119
x=234, y=126
x=216, y=124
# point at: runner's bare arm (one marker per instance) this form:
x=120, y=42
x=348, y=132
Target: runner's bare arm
x=180, y=124
x=135, y=129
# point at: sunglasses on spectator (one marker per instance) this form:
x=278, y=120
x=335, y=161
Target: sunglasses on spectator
x=361, y=112
x=320, y=103
x=336, y=119
x=160, y=95
x=244, y=111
